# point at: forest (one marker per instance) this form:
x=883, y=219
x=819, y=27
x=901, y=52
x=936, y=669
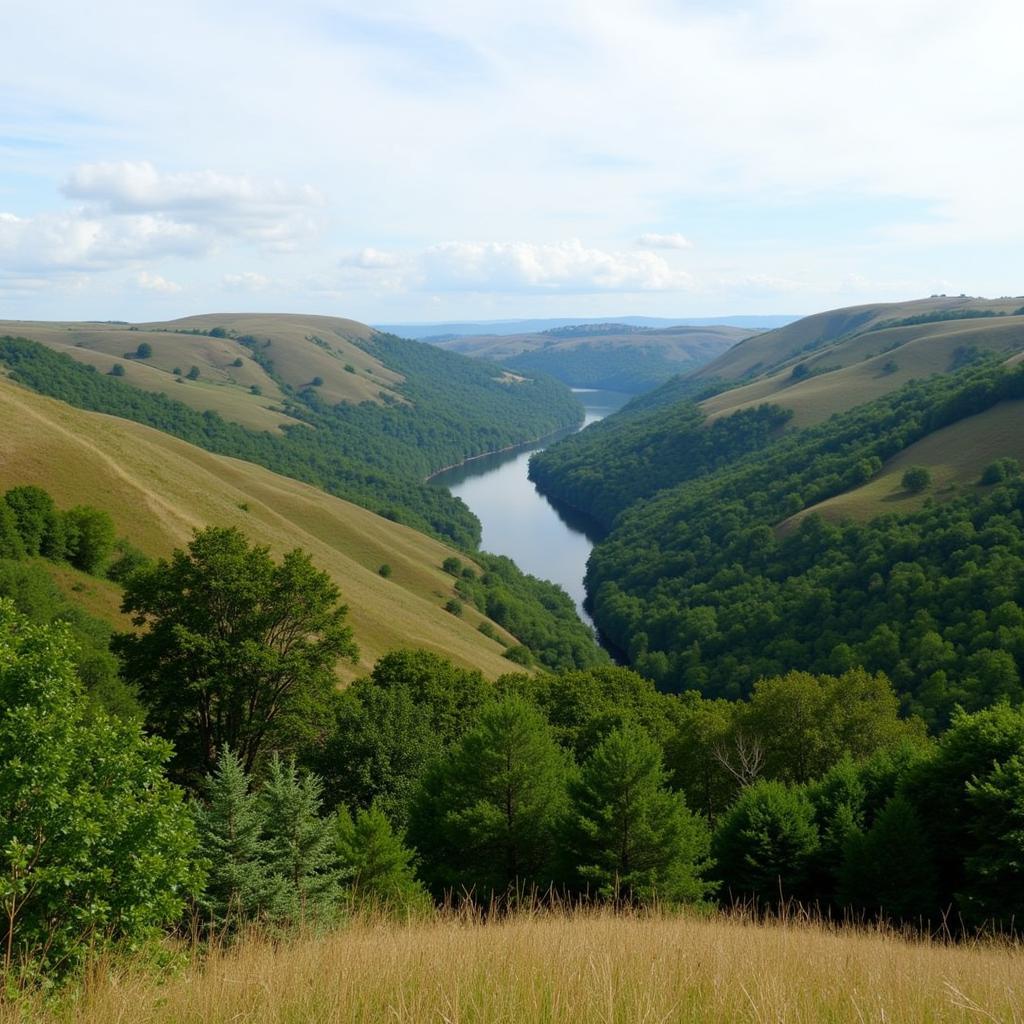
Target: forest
x=699, y=588
x=260, y=792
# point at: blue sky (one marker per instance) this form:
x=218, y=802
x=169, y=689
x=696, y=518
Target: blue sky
x=441, y=161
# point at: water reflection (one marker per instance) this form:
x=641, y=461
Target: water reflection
x=520, y=522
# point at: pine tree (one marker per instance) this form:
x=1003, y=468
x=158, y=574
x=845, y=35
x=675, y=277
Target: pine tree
x=889, y=868
x=486, y=816
x=299, y=845
x=230, y=827
x=629, y=836
x=375, y=862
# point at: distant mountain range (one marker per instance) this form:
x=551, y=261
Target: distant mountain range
x=446, y=331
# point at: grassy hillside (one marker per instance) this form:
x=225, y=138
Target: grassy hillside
x=870, y=364
x=766, y=352
x=954, y=456
x=570, y=970
x=158, y=489
x=614, y=356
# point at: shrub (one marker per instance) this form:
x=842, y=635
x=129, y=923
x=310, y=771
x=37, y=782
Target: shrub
x=117, y=370
x=454, y=606
x=193, y=373
x=916, y=479
x=384, y=570
x=237, y=362
x=1000, y=470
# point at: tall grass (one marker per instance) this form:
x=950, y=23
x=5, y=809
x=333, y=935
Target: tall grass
x=565, y=968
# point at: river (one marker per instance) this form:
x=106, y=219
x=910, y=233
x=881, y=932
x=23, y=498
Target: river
x=520, y=522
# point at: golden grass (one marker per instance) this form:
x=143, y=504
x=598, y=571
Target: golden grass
x=955, y=456
x=223, y=387
x=862, y=374
x=158, y=489
x=578, y=969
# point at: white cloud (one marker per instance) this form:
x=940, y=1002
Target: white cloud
x=674, y=240
x=247, y=281
x=155, y=283
x=568, y=267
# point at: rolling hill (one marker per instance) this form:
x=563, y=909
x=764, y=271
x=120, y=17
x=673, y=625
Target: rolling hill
x=610, y=355
x=158, y=489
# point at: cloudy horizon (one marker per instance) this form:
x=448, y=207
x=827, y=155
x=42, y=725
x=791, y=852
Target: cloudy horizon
x=466, y=162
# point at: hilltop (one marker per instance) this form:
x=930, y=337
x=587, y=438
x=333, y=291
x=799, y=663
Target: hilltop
x=614, y=356
x=158, y=489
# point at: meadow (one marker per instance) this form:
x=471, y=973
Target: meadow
x=566, y=969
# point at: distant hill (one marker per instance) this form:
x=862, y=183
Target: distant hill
x=158, y=489
x=447, y=331
x=620, y=357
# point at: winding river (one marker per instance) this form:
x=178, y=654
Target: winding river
x=517, y=520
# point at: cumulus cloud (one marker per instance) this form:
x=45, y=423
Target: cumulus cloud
x=267, y=212
x=155, y=283
x=79, y=240
x=674, y=240
x=567, y=267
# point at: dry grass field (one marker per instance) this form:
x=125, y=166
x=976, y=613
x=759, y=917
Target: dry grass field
x=158, y=489
x=587, y=969
x=955, y=456
x=301, y=348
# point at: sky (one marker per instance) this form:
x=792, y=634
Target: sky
x=411, y=161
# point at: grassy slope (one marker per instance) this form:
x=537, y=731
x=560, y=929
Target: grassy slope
x=764, y=352
x=221, y=386
x=955, y=456
x=158, y=489
x=569, y=970
x=859, y=369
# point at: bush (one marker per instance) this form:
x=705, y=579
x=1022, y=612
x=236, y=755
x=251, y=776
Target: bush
x=144, y=351
x=117, y=370
x=454, y=606
x=519, y=654
x=452, y=566
x=916, y=479
x=316, y=382
x=385, y=571
x=193, y=373
x=237, y=362
x=999, y=471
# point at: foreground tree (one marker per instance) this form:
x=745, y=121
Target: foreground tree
x=628, y=836
x=237, y=650
x=486, y=818
x=95, y=844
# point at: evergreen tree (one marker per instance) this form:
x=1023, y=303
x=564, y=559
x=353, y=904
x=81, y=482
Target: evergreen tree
x=230, y=827
x=374, y=860
x=486, y=816
x=765, y=843
x=299, y=844
x=629, y=836
x=890, y=868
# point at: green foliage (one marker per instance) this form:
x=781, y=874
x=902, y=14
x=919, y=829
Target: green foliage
x=237, y=362
x=452, y=565
x=129, y=559
x=11, y=544
x=193, y=373
x=916, y=479
x=90, y=537
x=230, y=824
x=38, y=522
x=999, y=470
x=299, y=844
x=144, y=351
x=237, y=650
x=890, y=868
x=766, y=843
x=697, y=589
x=95, y=845
x=385, y=571
x=486, y=817
x=629, y=838
x=453, y=606
x=378, y=866
x=117, y=370
x=389, y=726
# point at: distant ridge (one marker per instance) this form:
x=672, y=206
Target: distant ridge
x=425, y=330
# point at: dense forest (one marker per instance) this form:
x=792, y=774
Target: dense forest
x=259, y=792
x=700, y=589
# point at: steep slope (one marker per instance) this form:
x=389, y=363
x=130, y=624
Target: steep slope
x=158, y=489
x=614, y=356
